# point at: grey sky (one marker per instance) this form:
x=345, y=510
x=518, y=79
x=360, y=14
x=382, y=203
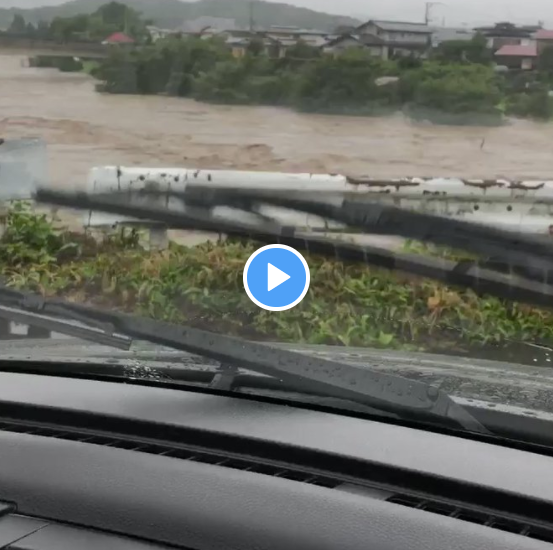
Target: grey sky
x=452, y=12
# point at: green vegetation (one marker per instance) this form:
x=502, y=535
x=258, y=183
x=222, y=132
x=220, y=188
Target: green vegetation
x=456, y=85
x=173, y=13
x=348, y=304
x=448, y=87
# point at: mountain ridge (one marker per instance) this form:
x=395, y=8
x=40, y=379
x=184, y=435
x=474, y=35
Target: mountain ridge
x=173, y=13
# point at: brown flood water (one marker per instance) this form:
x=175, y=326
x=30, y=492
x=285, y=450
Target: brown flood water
x=83, y=128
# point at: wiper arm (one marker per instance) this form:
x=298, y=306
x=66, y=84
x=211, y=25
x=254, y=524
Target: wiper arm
x=465, y=274
x=393, y=393
x=15, y=308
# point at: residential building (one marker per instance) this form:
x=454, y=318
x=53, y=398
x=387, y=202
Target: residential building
x=216, y=24
x=517, y=56
x=369, y=42
x=449, y=34
x=238, y=42
x=400, y=38
x=289, y=36
x=118, y=38
x=544, y=38
x=156, y=33
x=508, y=34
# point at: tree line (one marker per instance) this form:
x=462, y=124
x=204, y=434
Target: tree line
x=109, y=18
x=458, y=83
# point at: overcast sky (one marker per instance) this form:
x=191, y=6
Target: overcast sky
x=452, y=12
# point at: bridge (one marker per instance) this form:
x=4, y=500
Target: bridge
x=16, y=45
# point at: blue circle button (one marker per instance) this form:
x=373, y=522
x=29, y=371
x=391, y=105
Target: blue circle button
x=276, y=277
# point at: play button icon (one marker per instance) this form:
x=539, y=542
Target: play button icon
x=276, y=277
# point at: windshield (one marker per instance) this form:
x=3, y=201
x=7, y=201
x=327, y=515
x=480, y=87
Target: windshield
x=441, y=108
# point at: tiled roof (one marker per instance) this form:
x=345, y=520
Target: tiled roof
x=544, y=34
x=119, y=38
x=518, y=50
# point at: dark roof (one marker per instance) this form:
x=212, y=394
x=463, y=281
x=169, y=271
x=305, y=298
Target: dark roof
x=371, y=39
x=506, y=30
x=365, y=39
x=399, y=26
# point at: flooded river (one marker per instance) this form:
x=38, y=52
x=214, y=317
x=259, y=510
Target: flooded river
x=83, y=128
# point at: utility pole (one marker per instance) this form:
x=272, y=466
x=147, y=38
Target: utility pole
x=252, y=20
x=428, y=11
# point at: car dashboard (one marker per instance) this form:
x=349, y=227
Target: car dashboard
x=90, y=464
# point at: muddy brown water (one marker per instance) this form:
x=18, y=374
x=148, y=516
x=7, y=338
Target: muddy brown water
x=83, y=129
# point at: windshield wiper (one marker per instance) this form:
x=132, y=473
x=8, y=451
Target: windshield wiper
x=61, y=326
x=481, y=278
x=412, y=399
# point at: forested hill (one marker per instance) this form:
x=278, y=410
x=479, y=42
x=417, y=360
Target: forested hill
x=173, y=13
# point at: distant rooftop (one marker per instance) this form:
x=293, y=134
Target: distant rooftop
x=400, y=26
x=518, y=50
x=544, y=34
x=216, y=23
x=118, y=38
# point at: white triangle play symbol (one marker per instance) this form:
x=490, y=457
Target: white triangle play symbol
x=275, y=277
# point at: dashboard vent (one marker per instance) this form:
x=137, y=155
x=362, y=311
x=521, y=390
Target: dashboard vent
x=475, y=516
x=181, y=452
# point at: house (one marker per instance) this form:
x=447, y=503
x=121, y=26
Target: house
x=216, y=24
x=517, y=56
x=157, y=34
x=238, y=42
x=508, y=34
x=118, y=38
x=450, y=34
x=544, y=38
x=400, y=38
x=369, y=42
x=289, y=36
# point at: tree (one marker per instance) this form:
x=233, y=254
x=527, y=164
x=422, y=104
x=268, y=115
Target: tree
x=302, y=50
x=256, y=46
x=18, y=25
x=454, y=88
x=545, y=60
x=465, y=51
x=42, y=30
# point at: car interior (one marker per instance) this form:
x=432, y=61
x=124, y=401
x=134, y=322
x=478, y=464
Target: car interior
x=95, y=464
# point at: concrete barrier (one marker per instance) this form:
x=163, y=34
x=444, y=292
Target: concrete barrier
x=524, y=205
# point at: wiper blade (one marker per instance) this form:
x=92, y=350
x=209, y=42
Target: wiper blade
x=14, y=308
x=468, y=274
x=362, y=385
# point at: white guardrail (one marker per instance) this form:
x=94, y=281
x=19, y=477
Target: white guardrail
x=524, y=206
x=23, y=167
